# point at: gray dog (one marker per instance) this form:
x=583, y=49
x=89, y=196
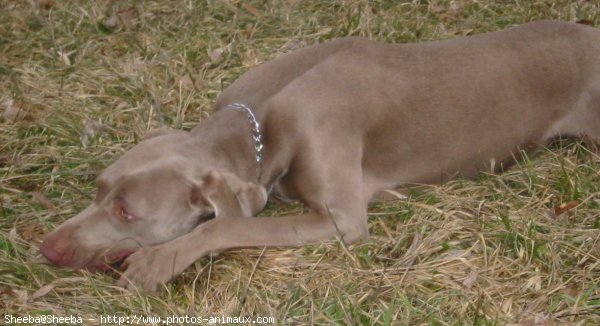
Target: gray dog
x=332, y=125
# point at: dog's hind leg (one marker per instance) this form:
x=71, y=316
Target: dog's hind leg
x=587, y=124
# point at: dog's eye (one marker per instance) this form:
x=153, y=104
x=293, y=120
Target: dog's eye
x=121, y=213
x=125, y=216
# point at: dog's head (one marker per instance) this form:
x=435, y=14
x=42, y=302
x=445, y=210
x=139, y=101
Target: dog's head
x=148, y=196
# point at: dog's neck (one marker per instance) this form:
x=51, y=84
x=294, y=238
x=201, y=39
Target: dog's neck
x=256, y=133
x=228, y=137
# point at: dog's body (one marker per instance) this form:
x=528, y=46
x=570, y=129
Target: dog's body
x=340, y=122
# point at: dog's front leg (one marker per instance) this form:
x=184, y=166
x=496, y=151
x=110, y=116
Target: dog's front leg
x=333, y=192
x=151, y=266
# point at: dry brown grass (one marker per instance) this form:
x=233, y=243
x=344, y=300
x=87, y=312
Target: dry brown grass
x=81, y=81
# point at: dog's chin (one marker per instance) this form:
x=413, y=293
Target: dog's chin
x=110, y=263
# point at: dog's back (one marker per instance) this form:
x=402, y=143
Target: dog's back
x=459, y=106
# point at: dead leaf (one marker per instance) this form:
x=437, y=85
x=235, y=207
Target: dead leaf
x=11, y=110
x=41, y=199
x=43, y=291
x=73, y=279
x=91, y=128
x=17, y=110
x=4, y=292
x=466, y=32
x=46, y=4
x=29, y=186
x=122, y=106
x=435, y=9
x=111, y=22
x=534, y=283
x=41, y=259
x=248, y=30
x=32, y=233
x=292, y=45
x=13, y=236
x=470, y=279
x=65, y=58
x=5, y=160
x=541, y=319
x=216, y=55
x=127, y=16
x=251, y=9
x=507, y=305
x=572, y=291
x=565, y=207
x=20, y=296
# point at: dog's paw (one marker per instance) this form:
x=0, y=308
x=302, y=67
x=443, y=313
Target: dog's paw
x=149, y=267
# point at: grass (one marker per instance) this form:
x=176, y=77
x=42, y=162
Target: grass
x=82, y=81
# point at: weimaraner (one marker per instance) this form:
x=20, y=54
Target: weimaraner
x=332, y=125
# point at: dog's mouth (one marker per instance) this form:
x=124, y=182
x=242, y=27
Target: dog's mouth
x=110, y=263
x=116, y=261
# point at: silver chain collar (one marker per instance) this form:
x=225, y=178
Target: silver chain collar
x=256, y=136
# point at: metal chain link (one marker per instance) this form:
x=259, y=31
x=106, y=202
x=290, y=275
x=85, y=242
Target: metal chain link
x=256, y=135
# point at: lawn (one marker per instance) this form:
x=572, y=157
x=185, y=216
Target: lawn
x=82, y=81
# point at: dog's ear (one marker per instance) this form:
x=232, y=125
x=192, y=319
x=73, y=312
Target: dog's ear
x=153, y=133
x=229, y=196
x=252, y=196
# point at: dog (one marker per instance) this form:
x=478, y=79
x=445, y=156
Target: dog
x=332, y=125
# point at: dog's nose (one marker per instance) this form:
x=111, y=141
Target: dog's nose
x=54, y=256
x=57, y=247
